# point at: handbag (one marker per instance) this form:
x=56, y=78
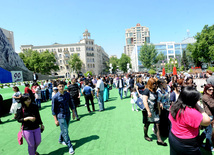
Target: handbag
x=20, y=138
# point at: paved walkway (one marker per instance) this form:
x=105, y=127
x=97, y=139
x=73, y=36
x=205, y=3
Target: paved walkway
x=116, y=131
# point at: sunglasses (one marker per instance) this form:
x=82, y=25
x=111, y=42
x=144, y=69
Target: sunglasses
x=210, y=89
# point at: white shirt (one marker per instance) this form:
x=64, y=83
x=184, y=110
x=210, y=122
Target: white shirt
x=100, y=85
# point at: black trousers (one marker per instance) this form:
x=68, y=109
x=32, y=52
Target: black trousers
x=183, y=146
x=87, y=98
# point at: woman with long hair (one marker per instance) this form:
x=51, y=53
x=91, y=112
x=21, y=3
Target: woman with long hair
x=139, y=86
x=32, y=124
x=15, y=101
x=175, y=93
x=186, y=116
x=151, y=112
x=208, y=103
x=164, y=103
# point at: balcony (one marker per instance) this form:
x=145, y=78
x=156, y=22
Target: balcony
x=66, y=57
x=65, y=51
x=90, y=54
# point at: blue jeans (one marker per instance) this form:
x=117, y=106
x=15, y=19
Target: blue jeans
x=43, y=93
x=121, y=92
x=38, y=102
x=101, y=100
x=64, y=124
x=50, y=93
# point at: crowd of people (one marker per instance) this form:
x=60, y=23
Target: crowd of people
x=170, y=102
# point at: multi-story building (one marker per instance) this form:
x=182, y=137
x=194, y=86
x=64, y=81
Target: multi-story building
x=10, y=37
x=136, y=35
x=169, y=49
x=93, y=56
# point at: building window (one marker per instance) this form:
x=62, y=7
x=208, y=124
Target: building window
x=93, y=66
x=60, y=61
x=78, y=49
x=71, y=49
x=60, y=55
x=88, y=65
x=78, y=54
x=170, y=46
x=170, y=52
x=60, y=67
x=67, y=67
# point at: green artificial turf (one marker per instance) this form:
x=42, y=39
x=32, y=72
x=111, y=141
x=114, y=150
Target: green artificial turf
x=116, y=131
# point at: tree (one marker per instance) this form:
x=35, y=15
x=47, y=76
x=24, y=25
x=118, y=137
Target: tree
x=123, y=61
x=43, y=63
x=148, y=55
x=115, y=62
x=203, y=49
x=184, y=60
x=75, y=62
x=160, y=57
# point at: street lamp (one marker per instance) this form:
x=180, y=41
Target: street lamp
x=163, y=64
x=174, y=61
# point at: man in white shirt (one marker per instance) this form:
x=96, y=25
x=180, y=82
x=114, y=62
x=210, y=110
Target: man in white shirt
x=100, y=89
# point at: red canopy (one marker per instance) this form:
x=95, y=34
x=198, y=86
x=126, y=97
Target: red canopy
x=163, y=72
x=174, y=71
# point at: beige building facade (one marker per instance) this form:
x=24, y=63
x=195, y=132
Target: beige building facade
x=93, y=56
x=136, y=35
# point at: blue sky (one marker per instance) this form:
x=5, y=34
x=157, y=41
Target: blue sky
x=44, y=22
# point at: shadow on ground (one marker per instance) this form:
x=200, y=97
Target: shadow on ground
x=110, y=108
x=82, y=141
x=112, y=99
x=78, y=143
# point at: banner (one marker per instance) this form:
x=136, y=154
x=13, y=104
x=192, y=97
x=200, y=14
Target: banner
x=5, y=76
x=17, y=76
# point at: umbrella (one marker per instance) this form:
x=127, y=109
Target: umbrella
x=174, y=71
x=163, y=72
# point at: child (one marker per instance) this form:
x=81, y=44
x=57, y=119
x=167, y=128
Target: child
x=55, y=90
x=134, y=99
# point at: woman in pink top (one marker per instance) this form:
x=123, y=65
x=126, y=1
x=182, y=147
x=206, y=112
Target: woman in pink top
x=186, y=116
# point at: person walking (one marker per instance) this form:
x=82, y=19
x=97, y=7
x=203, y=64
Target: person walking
x=32, y=124
x=88, y=94
x=74, y=91
x=100, y=89
x=120, y=85
x=61, y=103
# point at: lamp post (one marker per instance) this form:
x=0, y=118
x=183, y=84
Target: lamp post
x=163, y=64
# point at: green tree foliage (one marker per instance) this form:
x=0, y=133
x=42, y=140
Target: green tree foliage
x=184, y=60
x=148, y=55
x=75, y=63
x=88, y=72
x=43, y=63
x=160, y=57
x=203, y=49
x=123, y=61
x=115, y=62
x=152, y=71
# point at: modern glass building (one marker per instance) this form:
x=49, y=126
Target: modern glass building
x=169, y=49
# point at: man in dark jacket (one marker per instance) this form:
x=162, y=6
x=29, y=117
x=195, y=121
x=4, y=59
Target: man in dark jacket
x=120, y=85
x=35, y=77
x=75, y=95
